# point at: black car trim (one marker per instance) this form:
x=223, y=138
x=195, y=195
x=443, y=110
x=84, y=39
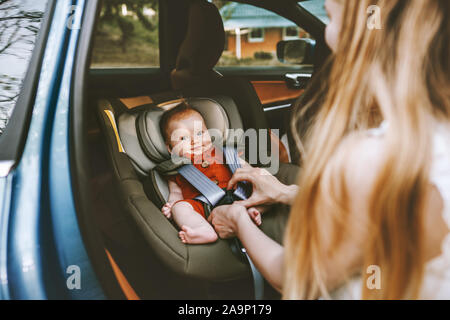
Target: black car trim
x=13, y=139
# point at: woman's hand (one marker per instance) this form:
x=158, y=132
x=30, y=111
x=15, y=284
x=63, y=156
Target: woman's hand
x=266, y=188
x=266, y=254
x=227, y=219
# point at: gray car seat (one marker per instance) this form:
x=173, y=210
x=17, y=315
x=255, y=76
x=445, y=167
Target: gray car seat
x=135, y=147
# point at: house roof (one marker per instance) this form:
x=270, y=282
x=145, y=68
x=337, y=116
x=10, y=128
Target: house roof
x=238, y=15
x=317, y=8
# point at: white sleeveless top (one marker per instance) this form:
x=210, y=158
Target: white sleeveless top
x=436, y=282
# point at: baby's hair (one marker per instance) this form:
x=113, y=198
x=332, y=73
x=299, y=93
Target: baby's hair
x=178, y=111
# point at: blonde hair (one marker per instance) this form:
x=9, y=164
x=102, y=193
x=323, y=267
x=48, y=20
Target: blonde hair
x=400, y=74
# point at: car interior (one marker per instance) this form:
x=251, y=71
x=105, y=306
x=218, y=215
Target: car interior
x=116, y=145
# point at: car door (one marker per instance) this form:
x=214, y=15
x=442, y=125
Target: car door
x=42, y=254
x=19, y=68
x=253, y=31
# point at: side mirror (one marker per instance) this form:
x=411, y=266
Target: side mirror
x=299, y=51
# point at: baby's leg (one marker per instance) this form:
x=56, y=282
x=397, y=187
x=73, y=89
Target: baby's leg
x=194, y=228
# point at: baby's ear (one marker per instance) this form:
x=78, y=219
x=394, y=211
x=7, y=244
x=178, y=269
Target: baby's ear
x=168, y=148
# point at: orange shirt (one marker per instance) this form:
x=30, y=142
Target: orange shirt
x=217, y=172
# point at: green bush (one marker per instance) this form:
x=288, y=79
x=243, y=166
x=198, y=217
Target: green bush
x=261, y=55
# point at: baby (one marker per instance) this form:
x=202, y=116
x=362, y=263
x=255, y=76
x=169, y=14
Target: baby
x=186, y=135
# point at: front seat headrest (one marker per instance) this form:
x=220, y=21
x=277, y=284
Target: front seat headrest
x=202, y=47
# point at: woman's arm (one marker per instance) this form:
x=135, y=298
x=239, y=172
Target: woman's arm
x=266, y=254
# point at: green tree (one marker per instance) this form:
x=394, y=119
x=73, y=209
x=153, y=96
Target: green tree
x=18, y=31
x=220, y=3
x=112, y=13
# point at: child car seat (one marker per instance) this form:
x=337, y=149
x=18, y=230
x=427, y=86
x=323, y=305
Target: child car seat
x=137, y=146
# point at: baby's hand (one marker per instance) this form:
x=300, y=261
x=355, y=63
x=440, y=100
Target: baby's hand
x=167, y=210
x=255, y=215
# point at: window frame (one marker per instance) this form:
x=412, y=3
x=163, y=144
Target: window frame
x=13, y=139
x=286, y=37
x=256, y=40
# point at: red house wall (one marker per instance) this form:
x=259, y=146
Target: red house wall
x=271, y=38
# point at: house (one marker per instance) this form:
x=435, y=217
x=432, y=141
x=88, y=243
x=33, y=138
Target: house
x=251, y=29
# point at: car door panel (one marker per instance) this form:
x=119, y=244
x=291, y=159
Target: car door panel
x=30, y=265
x=275, y=92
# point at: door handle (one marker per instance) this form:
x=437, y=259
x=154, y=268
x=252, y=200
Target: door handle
x=297, y=80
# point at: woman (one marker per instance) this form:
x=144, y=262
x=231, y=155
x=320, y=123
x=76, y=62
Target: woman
x=370, y=198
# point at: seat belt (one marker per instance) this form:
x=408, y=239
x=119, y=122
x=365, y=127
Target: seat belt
x=209, y=190
x=233, y=162
x=213, y=195
x=199, y=181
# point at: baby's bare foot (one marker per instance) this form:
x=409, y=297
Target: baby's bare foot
x=200, y=235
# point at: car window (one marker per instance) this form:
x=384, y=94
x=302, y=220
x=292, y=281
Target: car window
x=252, y=34
x=127, y=34
x=20, y=21
x=316, y=8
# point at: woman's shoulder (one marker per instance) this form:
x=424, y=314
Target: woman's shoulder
x=358, y=160
x=440, y=169
x=364, y=154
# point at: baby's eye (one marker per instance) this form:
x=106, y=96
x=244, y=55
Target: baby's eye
x=185, y=138
x=199, y=133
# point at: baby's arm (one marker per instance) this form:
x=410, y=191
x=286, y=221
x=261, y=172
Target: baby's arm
x=175, y=194
x=255, y=215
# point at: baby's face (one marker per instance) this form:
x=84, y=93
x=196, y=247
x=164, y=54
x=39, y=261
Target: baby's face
x=188, y=136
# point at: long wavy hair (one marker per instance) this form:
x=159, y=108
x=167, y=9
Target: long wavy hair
x=399, y=73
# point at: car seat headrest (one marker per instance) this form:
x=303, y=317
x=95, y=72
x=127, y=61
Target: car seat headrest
x=151, y=138
x=202, y=47
x=139, y=130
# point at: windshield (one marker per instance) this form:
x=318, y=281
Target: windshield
x=316, y=8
